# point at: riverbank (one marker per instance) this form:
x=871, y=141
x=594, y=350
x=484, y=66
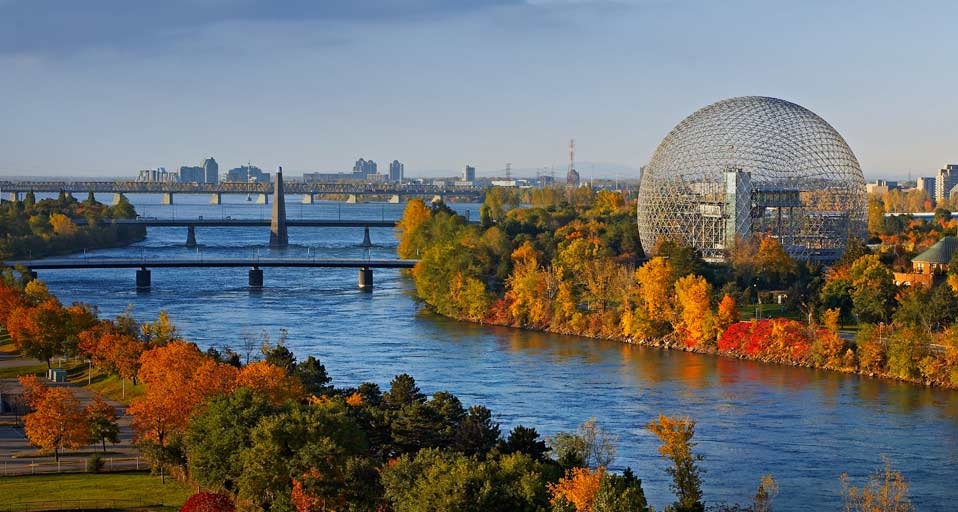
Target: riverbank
x=574, y=271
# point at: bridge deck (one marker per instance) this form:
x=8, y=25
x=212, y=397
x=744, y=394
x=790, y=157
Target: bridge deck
x=81, y=263
x=242, y=223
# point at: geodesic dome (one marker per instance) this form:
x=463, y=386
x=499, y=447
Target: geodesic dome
x=753, y=166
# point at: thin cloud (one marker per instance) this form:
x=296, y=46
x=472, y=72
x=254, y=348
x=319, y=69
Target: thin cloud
x=67, y=26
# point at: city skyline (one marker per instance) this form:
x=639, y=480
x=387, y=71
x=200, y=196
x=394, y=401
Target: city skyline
x=108, y=88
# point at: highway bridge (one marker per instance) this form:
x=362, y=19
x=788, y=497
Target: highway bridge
x=256, y=264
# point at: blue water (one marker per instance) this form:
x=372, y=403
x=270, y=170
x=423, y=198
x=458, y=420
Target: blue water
x=803, y=426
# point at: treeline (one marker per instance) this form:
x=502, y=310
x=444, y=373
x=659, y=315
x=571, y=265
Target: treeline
x=572, y=264
x=35, y=229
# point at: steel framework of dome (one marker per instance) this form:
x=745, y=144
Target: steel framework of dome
x=753, y=166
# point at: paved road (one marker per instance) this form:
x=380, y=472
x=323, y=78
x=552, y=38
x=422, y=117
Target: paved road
x=18, y=457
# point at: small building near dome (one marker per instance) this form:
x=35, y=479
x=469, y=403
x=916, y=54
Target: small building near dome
x=930, y=266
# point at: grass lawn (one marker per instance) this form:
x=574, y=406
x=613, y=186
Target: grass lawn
x=16, y=371
x=130, y=490
x=110, y=386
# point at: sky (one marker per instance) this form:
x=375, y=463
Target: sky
x=109, y=87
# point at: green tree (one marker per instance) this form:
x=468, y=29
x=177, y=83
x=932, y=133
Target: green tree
x=312, y=374
x=315, y=441
x=872, y=289
x=524, y=440
x=620, y=493
x=102, y=420
x=218, y=434
x=477, y=433
x=439, y=480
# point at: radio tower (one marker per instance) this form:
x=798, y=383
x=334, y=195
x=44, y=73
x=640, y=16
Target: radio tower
x=572, y=178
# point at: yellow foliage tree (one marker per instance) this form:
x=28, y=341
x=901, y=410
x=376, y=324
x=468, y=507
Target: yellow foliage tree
x=676, y=434
x=62, y=225
x=886, y=491
x=693, y=295
x=657, y=280
x=415, y=214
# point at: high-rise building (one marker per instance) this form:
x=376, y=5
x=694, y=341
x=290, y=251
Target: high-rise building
x=158, y=175
x=247, y=174
x=192, y=174
x=926, y=184
x=469, y=174
x=211, y=170
x=396, y=171
x=364, y=167
x=946, y=179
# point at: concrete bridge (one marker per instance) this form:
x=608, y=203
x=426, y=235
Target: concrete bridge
x=256, y=264
x=192, y=224
x=395, y=193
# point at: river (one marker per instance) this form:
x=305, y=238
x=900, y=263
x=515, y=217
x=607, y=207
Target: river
x=803, y=426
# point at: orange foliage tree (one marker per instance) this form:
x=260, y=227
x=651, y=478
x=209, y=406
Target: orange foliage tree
x=39, y=331
x=270, y=380
x=57, y=422
x=578, y=487
x=170, y=392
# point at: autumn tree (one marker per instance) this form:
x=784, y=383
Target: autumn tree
x=62, y=225
x=578, y=487
x=695, y=319
x=57, y=422
x=159, y=332
x=675, y=435
x=886, y=491
x=828, y=348
x=765, y=494
x=39, y=331
x=414, y=215
x=657, y=294
x=101, y=419
x=178, y=377
x=775, y=265
x=270, y=380
x=727, y=313
x=208, y=502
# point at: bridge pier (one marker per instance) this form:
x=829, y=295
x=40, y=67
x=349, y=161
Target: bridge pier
x=167, y=198
x=365, y=279
x=116, y=198
x=351, y=199
x=191, y=236
x=394, y=199
x=307, y=198
x=14, y=197
x=262, y=199
x=366, y=241
x=216, y=198
x=143, y=279
x=256, y=277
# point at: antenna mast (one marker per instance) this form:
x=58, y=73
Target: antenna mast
x=571, y=154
